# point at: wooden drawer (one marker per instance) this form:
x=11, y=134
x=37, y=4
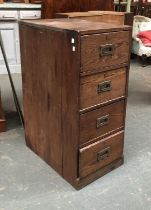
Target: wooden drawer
x=102, y=87
x=100, y=154
x=104, y=50
x=101, y=121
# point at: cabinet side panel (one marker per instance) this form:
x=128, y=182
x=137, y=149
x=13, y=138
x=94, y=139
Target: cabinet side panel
x=70, y=104
x=41, y=93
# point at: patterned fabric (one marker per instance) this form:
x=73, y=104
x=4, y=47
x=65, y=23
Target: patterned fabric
x=145, y=37
x=140, y=24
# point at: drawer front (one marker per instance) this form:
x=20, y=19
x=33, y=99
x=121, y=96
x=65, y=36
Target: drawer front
x=33, y=14
x=102, y=87
x=100, y=154
x=104, y=50
x=8, y=15
x=101, y=121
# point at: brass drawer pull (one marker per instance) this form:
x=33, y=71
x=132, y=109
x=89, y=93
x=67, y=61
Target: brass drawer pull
x=102, y=121
x=104, y=87
x=106, y=50
x=103, y=154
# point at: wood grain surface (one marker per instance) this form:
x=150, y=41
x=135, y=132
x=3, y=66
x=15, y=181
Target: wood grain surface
x=42, y=108
x=89, y=95
x=83, y=27
x=88, y=158
x=51, y=111
x=88, y=121
x=91, y=45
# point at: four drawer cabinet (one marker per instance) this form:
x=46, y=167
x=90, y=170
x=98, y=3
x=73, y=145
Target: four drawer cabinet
x=75, y=76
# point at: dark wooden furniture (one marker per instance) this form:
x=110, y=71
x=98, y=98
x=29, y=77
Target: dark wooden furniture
x=2, y=118
x=75, y=75
x=120, y=5
x=51, y=7
x=146, y=9
x=120, y=18
x=137, y=8
x=86, y=5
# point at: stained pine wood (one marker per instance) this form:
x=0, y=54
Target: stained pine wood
x=38, y=95
x=88, y=158
x=55, y=126
x=45, y=76
x=82, y=27
x=89, y=95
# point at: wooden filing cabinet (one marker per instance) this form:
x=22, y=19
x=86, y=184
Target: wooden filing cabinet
x=75, y=76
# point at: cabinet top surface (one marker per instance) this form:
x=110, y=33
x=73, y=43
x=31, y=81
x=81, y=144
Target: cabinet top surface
x=19, y=6
x=80, y=26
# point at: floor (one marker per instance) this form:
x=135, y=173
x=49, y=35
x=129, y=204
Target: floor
x=27, y=183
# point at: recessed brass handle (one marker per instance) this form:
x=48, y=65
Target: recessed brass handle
x=104, y=87
x=103, y=154
x=106, y=50
x=102, y=121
